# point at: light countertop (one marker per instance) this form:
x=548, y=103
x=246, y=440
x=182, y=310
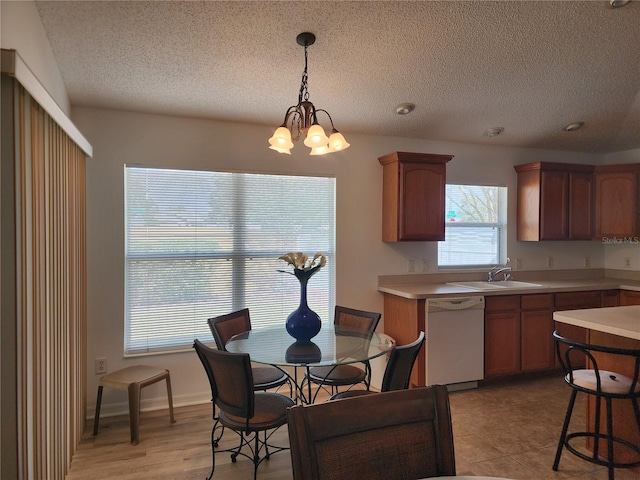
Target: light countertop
x=430, y=290
x=621, y=321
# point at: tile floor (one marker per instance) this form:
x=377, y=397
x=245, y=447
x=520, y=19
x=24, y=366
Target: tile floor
x=512, y=431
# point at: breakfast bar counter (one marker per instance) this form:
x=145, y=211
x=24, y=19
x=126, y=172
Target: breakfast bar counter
x=619, y=321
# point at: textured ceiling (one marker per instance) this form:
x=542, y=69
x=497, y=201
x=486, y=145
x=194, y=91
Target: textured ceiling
x=528, y=66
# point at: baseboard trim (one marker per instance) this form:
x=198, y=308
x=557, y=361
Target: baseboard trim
x=152, y=404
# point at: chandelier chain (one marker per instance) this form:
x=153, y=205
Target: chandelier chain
x=304, y=92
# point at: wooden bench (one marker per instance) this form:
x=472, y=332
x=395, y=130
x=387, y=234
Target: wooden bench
x=133, y=379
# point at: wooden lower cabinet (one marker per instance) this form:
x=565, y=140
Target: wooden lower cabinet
x=611, y=298
x=518, y=334
x=501, y=343
x=404, y=319
x=629, y=297
x=575, y=301
x=536, y=326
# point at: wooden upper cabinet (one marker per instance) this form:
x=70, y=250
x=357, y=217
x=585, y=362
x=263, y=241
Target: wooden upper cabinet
x=555, y=201
x=413, y=196
x=617, y=198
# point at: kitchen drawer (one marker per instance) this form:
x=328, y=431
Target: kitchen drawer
x=541, y=301
x=577, y=300
x=502, y=303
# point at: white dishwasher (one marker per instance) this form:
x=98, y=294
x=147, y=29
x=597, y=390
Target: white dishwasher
x=455, y=342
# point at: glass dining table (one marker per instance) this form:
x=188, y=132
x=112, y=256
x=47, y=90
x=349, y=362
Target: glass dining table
x=334, y=345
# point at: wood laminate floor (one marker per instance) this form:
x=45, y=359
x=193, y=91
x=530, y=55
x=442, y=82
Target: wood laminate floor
x=503, y=431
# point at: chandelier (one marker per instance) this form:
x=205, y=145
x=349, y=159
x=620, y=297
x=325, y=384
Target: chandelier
x=303, y=119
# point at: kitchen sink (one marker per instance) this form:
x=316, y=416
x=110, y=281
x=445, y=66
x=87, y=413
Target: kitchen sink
x=498, y=285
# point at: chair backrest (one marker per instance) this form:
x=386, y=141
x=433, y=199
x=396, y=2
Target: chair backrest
x=356, y=319
x=572, y=358
x=401, y=360
x=226, y=326
x=403, y=435
x=230, y=378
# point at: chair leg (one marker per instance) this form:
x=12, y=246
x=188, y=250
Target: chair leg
x=610, y=461
x=172, y=419
x=234, y=455
x=596, y=437
x=96, y=417
x=214, y=443
x=636, y=409
x=565, y=427
x=134, y=412
x=256, y=453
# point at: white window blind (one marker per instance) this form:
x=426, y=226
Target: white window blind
x=475, y=226
x=201, y=244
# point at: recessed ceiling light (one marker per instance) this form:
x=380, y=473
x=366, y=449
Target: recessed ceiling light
x=618, y=3
x=494, y=132
x=405, y=108
x=572, y=127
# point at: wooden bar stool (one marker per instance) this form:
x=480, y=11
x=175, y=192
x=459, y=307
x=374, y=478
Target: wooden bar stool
x=133, y=379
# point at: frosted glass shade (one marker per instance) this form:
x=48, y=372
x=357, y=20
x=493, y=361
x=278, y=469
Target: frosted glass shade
x=316, y=137
x=321, y=150
x=281, y=140
x=337, y=142
x=280, y=149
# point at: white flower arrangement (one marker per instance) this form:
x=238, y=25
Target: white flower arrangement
x=303, y=266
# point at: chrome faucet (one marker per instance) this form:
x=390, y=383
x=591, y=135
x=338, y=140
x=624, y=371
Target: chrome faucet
x=495, y=271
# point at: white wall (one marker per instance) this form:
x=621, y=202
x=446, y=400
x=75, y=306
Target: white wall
x=119, y=138
x=22, y=30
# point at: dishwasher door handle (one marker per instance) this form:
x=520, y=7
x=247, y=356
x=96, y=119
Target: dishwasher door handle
x=455, y=303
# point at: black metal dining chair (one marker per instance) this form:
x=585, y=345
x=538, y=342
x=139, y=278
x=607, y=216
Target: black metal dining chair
x=336, y=376
x=397, y=373
x=223, y=327
x=240, y=408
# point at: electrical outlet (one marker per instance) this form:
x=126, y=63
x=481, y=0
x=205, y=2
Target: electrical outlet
x=425, y=265
x=411, y=266
x=101, y=365
x=549, y=262
x=587, y=262
x=627, y=262
x=518, y=264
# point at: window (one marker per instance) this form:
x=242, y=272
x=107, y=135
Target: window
x=475, y=226
x=202, y=244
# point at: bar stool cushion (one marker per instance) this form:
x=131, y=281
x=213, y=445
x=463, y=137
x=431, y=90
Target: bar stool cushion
x=610, y=382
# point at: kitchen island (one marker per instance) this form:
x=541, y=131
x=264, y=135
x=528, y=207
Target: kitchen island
x=614, y=327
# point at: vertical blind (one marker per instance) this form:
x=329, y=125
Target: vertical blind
x=43, y=222
x=200, y=244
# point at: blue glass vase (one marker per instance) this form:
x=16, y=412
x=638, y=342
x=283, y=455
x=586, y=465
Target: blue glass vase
x=303, y=323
